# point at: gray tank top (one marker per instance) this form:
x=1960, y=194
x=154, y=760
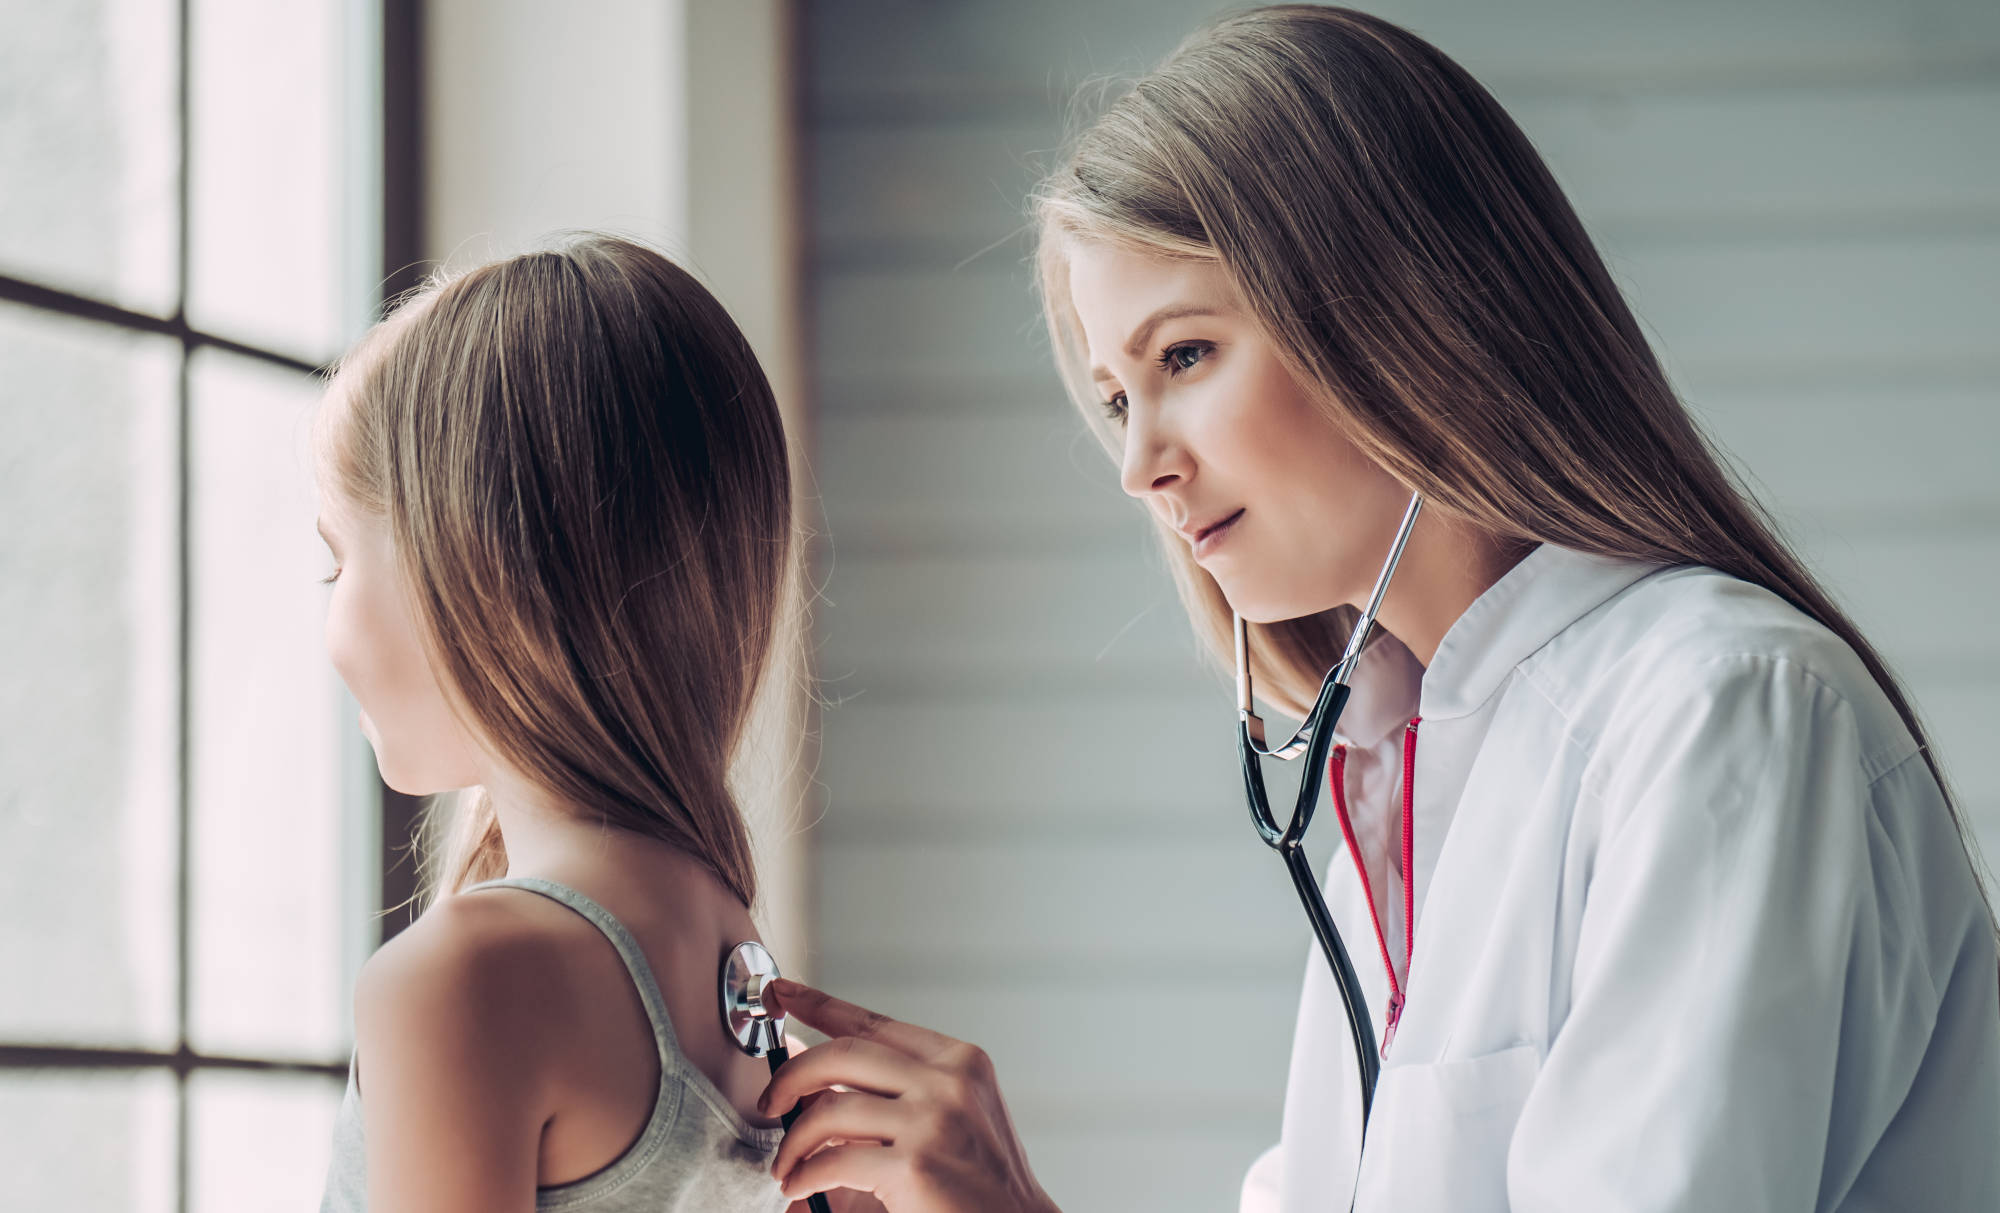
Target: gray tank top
x=697, y=1151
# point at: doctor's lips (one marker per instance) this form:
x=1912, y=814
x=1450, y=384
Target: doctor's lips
x=1206, y=538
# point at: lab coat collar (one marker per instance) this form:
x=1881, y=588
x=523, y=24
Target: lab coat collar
x=1551, y=588
x=1384, y=694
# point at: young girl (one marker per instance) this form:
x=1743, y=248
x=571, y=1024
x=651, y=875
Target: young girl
x=557, y=497
x=1656, y=892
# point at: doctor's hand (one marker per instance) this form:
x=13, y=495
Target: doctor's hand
x=842, y=1200
x=920, y=1124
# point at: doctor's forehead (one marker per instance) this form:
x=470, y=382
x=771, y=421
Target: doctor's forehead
x=1120, y=293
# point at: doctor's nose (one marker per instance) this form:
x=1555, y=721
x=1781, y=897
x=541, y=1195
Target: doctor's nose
x=1152, y=462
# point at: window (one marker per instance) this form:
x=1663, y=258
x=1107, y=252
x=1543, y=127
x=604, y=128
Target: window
x=191, y=228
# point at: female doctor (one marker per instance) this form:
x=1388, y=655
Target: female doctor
x=1650, y=875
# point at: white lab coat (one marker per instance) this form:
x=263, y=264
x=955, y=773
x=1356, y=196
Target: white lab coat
x=1694, y=930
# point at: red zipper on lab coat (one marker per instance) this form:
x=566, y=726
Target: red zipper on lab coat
x=1337, y=772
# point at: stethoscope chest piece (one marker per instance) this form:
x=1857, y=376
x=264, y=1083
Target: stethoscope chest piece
x=746, y=971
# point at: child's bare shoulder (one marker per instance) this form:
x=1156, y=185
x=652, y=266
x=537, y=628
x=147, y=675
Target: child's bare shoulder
x=478, y=973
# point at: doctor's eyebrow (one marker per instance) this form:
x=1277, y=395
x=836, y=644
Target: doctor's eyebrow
x=1136, y=344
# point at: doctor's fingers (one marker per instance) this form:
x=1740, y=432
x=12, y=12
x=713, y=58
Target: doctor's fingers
x=841, y=1200
x=840, y=1116
x=861, y=1064
x=859, y=1167
x=936, y=1173
x=818, y=1009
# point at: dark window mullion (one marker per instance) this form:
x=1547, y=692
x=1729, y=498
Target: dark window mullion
x=404, y=240
x=19, y=290
x=182, y=775
x=181, y=1061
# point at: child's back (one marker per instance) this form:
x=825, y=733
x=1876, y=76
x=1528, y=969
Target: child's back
x=594, y=1046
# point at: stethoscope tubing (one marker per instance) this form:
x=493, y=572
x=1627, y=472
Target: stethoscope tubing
x=1314, y=739
x=1360, y=1024
x=1289, y=844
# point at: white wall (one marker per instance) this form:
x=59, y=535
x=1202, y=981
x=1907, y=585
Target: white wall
x=544, y=117
x=743, y=239
x=1033, y=835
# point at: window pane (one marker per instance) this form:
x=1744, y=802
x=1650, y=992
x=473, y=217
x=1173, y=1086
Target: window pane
x=265, y=759
x=88, y=1141
x=90, y=136
x=266, y=247
x=258, y=1141
x=89, y=646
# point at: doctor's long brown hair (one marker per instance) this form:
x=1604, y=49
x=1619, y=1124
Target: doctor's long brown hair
x=1419, y=269
x=585, y=477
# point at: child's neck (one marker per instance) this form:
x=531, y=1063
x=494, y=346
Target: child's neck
x=555, y=843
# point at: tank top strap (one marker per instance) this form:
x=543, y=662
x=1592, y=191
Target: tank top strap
x=628, y=951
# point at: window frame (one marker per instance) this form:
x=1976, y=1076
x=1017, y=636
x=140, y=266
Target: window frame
x=388, y=83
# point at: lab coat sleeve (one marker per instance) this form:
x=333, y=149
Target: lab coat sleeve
x=1260, y=1183
x=1743, y=1012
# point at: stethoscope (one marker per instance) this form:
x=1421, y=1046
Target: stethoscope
x=746, y=970
x=1313, y=738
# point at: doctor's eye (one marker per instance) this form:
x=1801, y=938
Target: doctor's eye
x=330, y=578
x=1184, y=356
x=1114, y=408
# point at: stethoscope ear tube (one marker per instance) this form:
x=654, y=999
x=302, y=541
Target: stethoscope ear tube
x=1314, y=739
x=1332, y=700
